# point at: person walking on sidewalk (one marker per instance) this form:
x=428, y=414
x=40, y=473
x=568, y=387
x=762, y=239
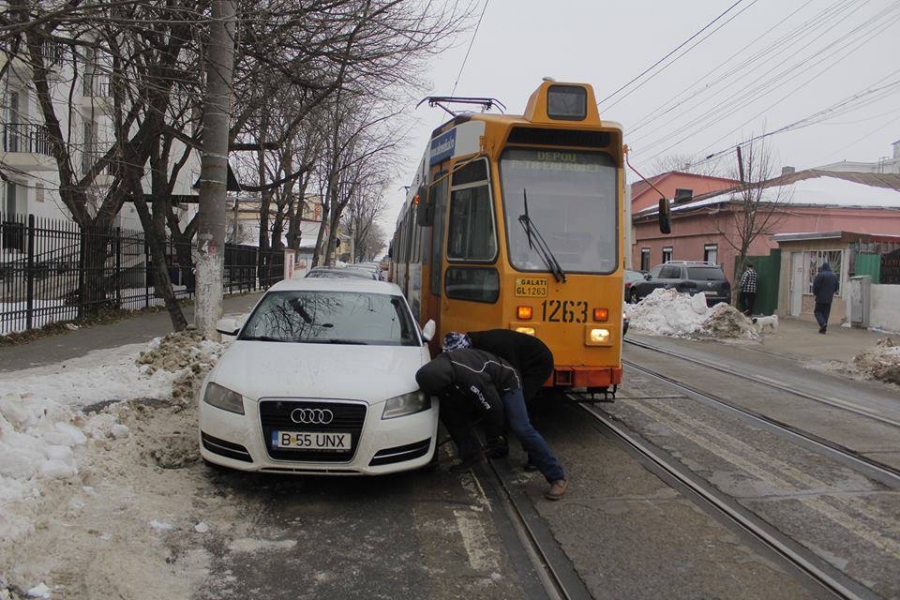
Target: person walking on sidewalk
x=825, y=286
x=747, y=289
x=465, y=376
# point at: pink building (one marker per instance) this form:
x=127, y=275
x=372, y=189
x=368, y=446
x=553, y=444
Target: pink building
x=704, y=227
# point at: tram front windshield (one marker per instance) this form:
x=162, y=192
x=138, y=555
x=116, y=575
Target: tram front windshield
x=571, y=203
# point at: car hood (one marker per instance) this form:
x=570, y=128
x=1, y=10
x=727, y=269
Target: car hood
x=273, y=369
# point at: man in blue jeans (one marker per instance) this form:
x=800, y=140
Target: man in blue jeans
x=465, y=378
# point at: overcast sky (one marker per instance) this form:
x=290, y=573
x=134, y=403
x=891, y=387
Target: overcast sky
x=763, y=65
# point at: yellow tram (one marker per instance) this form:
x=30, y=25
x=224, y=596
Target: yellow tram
x=518, y=222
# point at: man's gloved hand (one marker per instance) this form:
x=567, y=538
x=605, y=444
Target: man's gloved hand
x=496, y=447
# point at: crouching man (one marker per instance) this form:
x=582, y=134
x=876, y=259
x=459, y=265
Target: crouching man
x=467, y=379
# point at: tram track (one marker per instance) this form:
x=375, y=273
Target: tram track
x=804, y=561
x=551, y=565
x=833, y=402
x=878, y=471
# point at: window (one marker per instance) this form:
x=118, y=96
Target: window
x=39, y=192
x=667, y=254
x=711, y=253
x=438, y=196
x=477, y=285
x=645, y=259
x=816, y=259
x=572, y=203
x=471, y=233
x=87, y=154
x=670, y=272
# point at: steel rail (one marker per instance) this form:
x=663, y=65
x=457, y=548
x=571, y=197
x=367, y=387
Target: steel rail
x=803, y=563
x=871, y=468
x=834, y=402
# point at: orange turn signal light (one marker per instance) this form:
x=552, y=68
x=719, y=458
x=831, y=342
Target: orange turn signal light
x=601, y=314
x=524, y=313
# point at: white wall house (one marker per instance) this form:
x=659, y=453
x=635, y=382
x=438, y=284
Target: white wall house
x=29, y=183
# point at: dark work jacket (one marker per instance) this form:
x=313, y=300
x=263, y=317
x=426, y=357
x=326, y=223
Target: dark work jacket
x=473, y=376
x=527, y=354
x=825, y=285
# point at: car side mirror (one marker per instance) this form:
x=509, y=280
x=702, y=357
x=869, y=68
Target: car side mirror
x=428, y=330
x=647, y=276
x=228, y=326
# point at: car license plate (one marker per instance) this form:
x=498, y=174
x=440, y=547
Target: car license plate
x=710, y=292
x=311, y=440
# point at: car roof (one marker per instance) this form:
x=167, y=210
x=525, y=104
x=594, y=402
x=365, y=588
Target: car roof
x=327, y=284
x=342, y=271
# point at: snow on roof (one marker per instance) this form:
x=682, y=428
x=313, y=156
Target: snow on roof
x=821, y=190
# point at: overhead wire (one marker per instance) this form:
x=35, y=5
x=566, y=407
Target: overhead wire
x=765, y=85
x=654, y=65
x=751, y=90
x=687, y=50
x=469, y=49
x=764, y=89
x=689, y=90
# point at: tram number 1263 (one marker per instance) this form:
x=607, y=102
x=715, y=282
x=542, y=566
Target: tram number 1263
x=564, y=311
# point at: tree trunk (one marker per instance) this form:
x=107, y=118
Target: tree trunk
x=214, y=168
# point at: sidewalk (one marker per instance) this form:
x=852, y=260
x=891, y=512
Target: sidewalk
x=135, y=329
x=801, y=340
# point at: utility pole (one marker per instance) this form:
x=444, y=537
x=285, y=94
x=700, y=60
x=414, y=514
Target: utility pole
x=210, y=255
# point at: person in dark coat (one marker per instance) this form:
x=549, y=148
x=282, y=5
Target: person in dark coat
x=825, y=286
x=465, y=378
x=530, y=356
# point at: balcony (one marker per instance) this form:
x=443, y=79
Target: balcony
x=26, y=146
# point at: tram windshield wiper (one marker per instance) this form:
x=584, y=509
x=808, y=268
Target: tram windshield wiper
x=536, y=242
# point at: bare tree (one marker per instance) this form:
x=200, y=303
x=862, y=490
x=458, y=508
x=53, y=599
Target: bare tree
x=686, y=163
x=754, y=208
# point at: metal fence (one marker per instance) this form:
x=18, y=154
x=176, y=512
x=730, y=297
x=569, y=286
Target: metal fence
x=52, y=271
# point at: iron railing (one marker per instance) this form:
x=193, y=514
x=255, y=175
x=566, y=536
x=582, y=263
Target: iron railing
x=25, y=137
x=55, y=271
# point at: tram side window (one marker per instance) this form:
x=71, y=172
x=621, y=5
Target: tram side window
x=471, y=233
x=439, y=197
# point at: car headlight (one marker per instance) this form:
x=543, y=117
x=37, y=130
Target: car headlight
x=407, y=404
x=221, y=397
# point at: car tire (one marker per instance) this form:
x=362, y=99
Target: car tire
x=632, y=297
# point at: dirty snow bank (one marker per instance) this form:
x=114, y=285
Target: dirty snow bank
x=670, y=313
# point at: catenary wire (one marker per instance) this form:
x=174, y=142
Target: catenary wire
x=469, y=49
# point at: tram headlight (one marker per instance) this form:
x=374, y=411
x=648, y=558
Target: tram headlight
x=598, y=337
x=526, y=330
x=601, y=314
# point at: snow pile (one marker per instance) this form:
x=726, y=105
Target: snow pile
x=54, y=413
x=881, y=362
x=668, y=312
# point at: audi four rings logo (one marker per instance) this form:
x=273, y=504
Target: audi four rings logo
x=312, y=416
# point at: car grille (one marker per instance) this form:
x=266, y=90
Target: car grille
x=275, y=415
x=389, y=456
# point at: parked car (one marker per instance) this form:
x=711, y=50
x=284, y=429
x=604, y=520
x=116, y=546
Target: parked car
x=340, y=272
x=631, y=277
x=321, y=380
x=689, y=277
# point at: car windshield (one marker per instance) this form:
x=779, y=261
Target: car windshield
x=330, y=317
x=634, y=276
x=705, y=274
x=572, y=202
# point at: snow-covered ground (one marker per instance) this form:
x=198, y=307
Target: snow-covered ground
x=100, y=483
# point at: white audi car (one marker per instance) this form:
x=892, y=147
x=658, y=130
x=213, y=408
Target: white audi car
x=320, y=379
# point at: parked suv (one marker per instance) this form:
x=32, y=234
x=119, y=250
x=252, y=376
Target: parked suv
x=689, y=277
